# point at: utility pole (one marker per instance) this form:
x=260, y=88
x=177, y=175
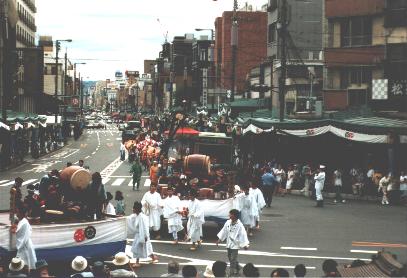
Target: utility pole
x=234, y=38
x=282, y=26
x=5, y=59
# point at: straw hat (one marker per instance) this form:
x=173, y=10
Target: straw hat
x=79, y=263
x=16, y=264
x=321, y=166
x=121, y=259
x=208, y=271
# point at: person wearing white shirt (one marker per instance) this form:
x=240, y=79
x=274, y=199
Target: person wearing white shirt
x=196, y=218
x=383, y=187
x=403, y=186
x=247, y=206
x=122, y=151
x=109, y=206
x=338, y=186
x=319, y=185
x=236, y=237
x=152, y=205
x=172, y=211
x=260, y=202
x=137, y=225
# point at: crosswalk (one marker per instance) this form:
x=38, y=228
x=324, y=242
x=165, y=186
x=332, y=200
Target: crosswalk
x=5, y=183
x=123, y=181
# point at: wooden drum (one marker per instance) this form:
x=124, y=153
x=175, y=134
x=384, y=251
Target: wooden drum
x=197, y=164
x=78, y=177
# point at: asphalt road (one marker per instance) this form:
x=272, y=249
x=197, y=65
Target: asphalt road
x=292, y=231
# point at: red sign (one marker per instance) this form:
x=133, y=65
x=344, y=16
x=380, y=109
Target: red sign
x=349, y=135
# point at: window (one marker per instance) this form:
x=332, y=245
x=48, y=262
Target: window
x=355, y=75
x=272, y=33
x=356, y=31
x=53, y=70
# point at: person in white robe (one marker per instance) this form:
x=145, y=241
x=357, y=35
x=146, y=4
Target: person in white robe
x=196, y=218
x=247, y=206
x=152, y=207
x=172, y=211
x=259, y=198
x=137, y=224
x=236, y=237
x=24, y=245
x=319, y=185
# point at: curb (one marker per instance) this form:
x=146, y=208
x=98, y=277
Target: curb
x=331, y=195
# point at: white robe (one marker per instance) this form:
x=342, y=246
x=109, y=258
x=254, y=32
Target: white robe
x=24, y=245
x=110, y=209
x=138, y=225
x=171, y=207
x=259, y=198
x=235, y=235
x=319, y=185
x=247, y=206
x=196, y=218
x=152, y=208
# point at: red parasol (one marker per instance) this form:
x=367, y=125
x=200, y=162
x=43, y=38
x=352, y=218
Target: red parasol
x=185, y=131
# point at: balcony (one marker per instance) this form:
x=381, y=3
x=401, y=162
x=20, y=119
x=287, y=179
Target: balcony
x=31, y=5
x=27, y=22
x=339, y=57
x=347, y=8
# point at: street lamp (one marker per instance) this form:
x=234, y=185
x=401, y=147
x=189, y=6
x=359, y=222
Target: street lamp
x=57, y=48
x=208, y=29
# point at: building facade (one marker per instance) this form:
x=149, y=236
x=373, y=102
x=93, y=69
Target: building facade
x=365, y=54
x=26, y=28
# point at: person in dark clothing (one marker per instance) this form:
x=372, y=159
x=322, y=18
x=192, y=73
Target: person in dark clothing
x=97, y=196
x=32, y=202
x=268, y=181
x=330, y=268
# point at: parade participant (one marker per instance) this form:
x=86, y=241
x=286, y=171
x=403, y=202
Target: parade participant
x=268, y=181
x=136, y=170
x=196, y=218
x=32, y=202
x=306, y=173
x=403, y=187
x=154, y=172
x=46, y=181
x=122, y=151
x=97, y=196
x=172, y=211
x=279, y=175
x=109, y=206
x=236, y=237
x=137, y=224
x=247, y=206
x=259, y=198
x=24, y=245
x=337, y=177
x=319, y=185
x=290, y=179
x=18, y=183
x=383, y=184
x=120, y=205
x=152, y=204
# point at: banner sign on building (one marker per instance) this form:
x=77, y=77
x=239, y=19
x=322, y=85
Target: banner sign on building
x=380, y=89
x=398, y=87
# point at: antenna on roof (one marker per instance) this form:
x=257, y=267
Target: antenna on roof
x=165, y=34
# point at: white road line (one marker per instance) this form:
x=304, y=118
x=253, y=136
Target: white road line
x=7, y=184
x=105, y=180
x=93, y=152
x=147, y=183
x=87, y=157
x=298, y=248
x=118, y=182
x=71, y=154
x=3, y=181
x=130, y=183
x=181, y=242
x=121, y=176
x=364, y=251
x=29, y=182
x=145, y=176
x=111, y=168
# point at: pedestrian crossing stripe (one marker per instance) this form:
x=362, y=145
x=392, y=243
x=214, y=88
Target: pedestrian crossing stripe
x=122, y=182
x=118, y=182
x=130, y=183
x=105, y=180
x=5, y=183
x=29, y=182
x=147, y=183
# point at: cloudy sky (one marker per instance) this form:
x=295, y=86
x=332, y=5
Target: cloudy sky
x=112, y=35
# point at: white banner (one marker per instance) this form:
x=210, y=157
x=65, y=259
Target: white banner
x=218, y=209
x=360, y=137
x=308, y=132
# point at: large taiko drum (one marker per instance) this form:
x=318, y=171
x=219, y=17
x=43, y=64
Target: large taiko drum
x=197, y=164
x=78, y=177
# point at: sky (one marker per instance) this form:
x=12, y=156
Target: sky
x=111, y=35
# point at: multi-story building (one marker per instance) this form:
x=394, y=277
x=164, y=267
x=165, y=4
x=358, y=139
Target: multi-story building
x=251, y=48
x=365, y=54
x=26, y=28
x=303, y=54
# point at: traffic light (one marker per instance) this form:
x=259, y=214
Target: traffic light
x=58, y=45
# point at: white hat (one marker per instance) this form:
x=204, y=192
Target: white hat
x=79, y=263
x=16, y=264
x=121, y=259
x=321, y=166
x=208, y=271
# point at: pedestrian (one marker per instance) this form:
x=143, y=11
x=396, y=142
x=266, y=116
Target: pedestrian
x=403, y=187
x=17, y=268
x=319, y=185
x=196, y=219
x=173, y=211
x=152, y=207
x=236, y=237
x=137, y=224
x=97, y=196
x=290, y=179
x=24, y=245
x=279, y=175
x=41, y=269
x=136, y=170
x=122, y=151
x=337, y=177
x=383, y=186
x=154, y=172
x=120, y=205
x=122, y=266
x=172, y=269
x=219, y=269
x=300, y=271
x=16, y=191
x=79, y=267
x=110, y=210
x=329, y=267
x=247, y=206
x=189, y=271
x=259, y=198
x=306, y=173
x=99, y=270
x=268, y=182
x=279, y=272
x=249, y=270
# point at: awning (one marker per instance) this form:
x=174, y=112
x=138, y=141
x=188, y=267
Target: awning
x=184, y=131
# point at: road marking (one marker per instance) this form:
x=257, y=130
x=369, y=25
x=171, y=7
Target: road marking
x=29, y=182
x=7, y=184
x=378, y=244
x=118, y=182
x=118, y=139
x=3, y=181
x=364, y=251
x=267, y=254
x=87, y=157
x=84, y=145
x=121, y=176
x=111, y=168
x=181, y=242
x=298, y=248
x=105, y=180
x=130, y=183
x=94, y=152
x=147, y=183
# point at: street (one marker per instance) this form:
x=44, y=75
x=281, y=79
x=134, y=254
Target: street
x=292, y=231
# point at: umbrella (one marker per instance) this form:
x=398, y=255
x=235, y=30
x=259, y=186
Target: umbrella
x=187, y=131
